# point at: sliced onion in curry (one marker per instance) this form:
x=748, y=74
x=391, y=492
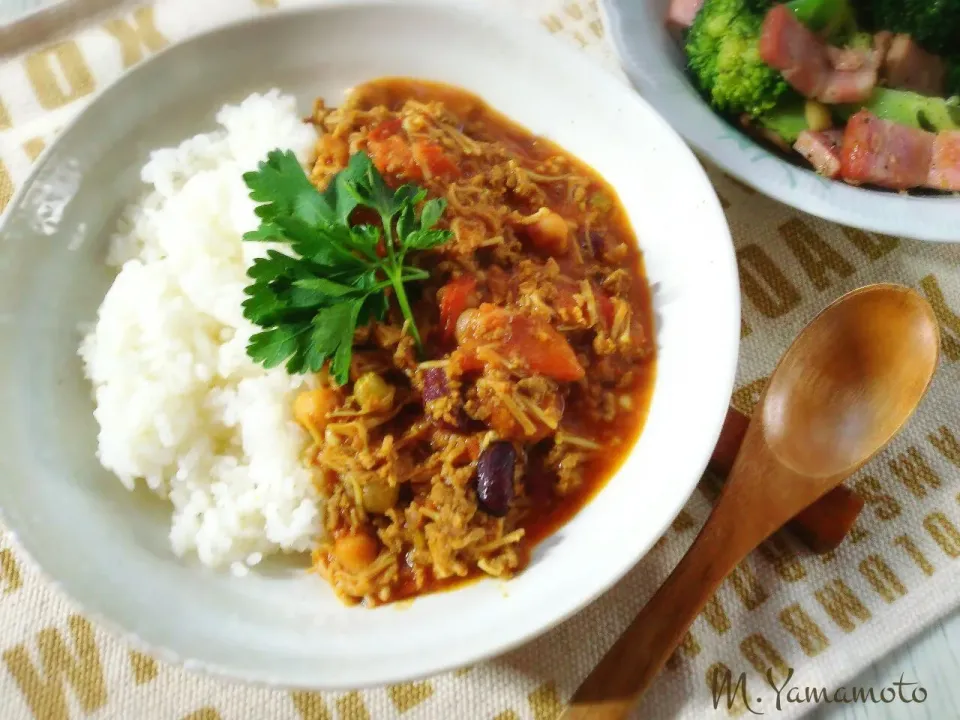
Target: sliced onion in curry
x=537, y=361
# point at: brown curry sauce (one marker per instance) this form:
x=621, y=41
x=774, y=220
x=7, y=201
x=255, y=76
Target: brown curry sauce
x=547, y=511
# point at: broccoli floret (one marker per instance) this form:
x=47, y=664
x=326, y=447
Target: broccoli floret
x=788, y=119
x=903, y=107
x=723, y=56
x=833, y=19
x=861, y=41
x=934, y=24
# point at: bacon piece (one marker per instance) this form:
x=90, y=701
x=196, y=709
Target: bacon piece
x=883, y=153
x=848, y=86
x=810, y=66
x=788, y=46
x=681, y=13
x=908, y=66
x=854, y=76
x=850, y=58
x=945, y=166
x=822, y=150
x=881, y=44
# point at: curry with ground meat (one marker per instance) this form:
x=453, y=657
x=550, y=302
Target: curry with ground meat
x=538, y=358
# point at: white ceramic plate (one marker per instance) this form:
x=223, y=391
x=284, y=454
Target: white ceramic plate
x=107, y=548
x=655, y=64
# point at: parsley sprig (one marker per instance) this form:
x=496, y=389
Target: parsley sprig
x=311, y=303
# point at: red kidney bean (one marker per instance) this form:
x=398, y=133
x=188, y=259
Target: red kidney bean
x=592, y=243
x=435, y=388
x=434, y=384
x=495, y=477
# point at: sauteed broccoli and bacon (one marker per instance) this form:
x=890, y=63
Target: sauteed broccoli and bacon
x=867, y=91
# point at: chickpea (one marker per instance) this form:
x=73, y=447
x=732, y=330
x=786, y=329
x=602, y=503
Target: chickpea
x=356, y=552
x=373, y=393
x=550, y=232
x=311, y=407
x=379, y=496
x=483, y=323
x=467, y=324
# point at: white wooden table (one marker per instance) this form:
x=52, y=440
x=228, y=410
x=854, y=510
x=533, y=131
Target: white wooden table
x=11, y=8
x=933, y=659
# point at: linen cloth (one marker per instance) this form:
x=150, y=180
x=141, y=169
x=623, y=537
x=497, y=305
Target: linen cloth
x=817, y=619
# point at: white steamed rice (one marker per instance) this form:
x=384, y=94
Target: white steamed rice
x=178, y=402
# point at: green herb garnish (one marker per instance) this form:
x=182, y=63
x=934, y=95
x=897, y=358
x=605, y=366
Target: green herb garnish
x=311, y=305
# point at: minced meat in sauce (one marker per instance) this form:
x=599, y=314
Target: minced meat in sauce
x=539, y=356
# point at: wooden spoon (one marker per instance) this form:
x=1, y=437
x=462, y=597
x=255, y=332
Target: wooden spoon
x=843, y=389
x=824, y=524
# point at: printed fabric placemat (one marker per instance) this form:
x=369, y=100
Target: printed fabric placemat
x=812, y=621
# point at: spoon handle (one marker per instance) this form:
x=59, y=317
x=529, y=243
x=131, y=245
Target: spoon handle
x=612, y=689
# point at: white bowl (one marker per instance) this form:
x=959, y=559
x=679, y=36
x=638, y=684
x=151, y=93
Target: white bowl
x=654, y=62
x=107, y=548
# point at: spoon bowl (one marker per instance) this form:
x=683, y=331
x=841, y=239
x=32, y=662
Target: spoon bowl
x=844, y=388
x=859, y=369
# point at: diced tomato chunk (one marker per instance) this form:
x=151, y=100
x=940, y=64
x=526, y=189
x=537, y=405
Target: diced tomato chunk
x=604, y=306
x=455, y=297
x=392, y=155
x=467, y=358
x=544, y=350
x=386, y=129
x=533, y=344
x=433, y=161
